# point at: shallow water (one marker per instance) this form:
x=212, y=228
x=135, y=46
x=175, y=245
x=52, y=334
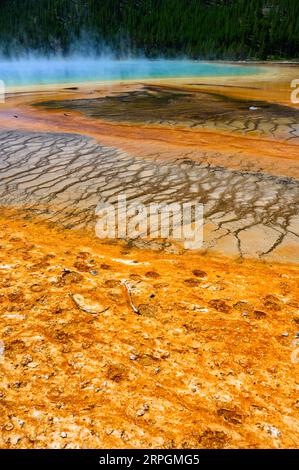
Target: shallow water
x=39, y=70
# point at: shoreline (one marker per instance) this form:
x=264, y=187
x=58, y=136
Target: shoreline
x=141, y=246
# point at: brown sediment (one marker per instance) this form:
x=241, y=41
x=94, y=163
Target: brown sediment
x=206, y=364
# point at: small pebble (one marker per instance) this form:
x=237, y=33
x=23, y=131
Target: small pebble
x=63, y=435
x=286, y=334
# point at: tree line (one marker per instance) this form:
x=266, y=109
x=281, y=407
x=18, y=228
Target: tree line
x=211, y=29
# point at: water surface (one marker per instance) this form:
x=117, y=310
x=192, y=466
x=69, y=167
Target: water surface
x=39, y=70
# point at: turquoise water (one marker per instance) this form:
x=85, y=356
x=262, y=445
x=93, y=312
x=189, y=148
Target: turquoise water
x=38, y=70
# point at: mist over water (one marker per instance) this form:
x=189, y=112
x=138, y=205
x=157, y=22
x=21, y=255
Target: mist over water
x=75, y=68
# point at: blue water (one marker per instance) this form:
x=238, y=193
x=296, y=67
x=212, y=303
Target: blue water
x=39, y=70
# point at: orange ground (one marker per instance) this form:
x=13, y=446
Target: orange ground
x=210, y=361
